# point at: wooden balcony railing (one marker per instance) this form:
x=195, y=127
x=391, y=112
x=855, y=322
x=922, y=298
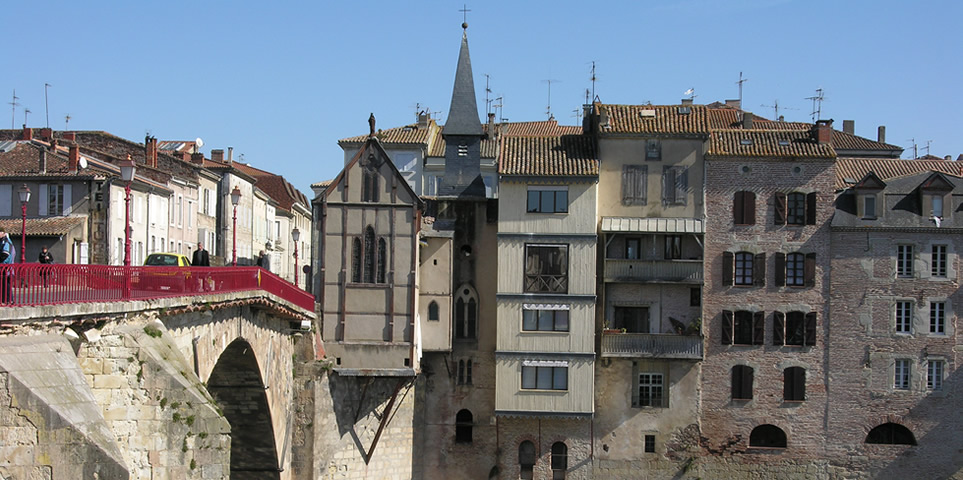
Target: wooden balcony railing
x=661, y=271
x=652, y=345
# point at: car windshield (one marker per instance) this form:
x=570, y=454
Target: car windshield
x=167, y=260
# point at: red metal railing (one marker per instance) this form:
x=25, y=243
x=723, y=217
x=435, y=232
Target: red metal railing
x=41, y=284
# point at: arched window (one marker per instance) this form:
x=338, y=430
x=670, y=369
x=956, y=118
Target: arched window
x=891, y=434
x=466, y=312
x=461, y=372
x=369, y=185
x=369, y=255
x=526, y=460
x=433, y=311
x=742, y=382
x=767, y=436
x=382, y=259
x=463, y=426
x=356, y=260
x=468, y=372
x=559, y=460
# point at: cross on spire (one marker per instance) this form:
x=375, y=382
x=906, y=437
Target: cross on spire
x=464, y=11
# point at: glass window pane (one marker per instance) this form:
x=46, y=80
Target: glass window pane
x=548, y=201
x=545, y=320
x=533, y=200
x=529, y=319
x=561, y=378
x=528, y=377
x=544, y=380
x=561, y=201
x=561, y=320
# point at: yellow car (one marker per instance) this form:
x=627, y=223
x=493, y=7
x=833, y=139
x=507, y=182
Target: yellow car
x=167, y=279
x=167, y=260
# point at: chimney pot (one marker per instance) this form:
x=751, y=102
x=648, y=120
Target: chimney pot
x=197, y=158
x=849, y=126
x=69, y=136
x=881, y=134
x=823, y=131
x=230, y=155
x=747, y=120
x=217, y=155
x=948, y=158
x=687, y=101
x=27, y=133
x=73, y=163
x=736, y=103
x=46, y=134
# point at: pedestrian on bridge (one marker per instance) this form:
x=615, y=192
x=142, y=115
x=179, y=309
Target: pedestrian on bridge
x=202, y=259
x=45, y=258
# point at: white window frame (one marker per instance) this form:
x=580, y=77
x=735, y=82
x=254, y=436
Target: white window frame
x=902, y=372
x=935, y=369
x=904, y=316
x=652, y=385
x=938, y=318
x=904, y=261
x=938, y=260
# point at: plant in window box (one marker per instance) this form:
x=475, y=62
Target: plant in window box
x=695, y=327
x=613, y=330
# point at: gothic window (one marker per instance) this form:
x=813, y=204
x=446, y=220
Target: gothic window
x=369, y=186
x=369, y=255
x=466, y=313
x=463, y=426
x=526, y=460
x=356, y=260
x=559, y=460
x=433, y=311
x=382, y=259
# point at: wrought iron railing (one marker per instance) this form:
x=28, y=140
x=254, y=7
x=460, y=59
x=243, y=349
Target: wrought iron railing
x=43, y=284
x=652, y=345
x=675, y=271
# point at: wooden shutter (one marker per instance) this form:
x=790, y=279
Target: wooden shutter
x=779, y=208
x=626, y=185
x=759, y=270
x=727, y=327
x=668, y=185
x=738, y=208
x=736, y=390
x=727, y=265
x=809, y=269
x=780, y=269
x=43, y=200
x=68, y=200
x=750, y=208
x=742, y=382
x=681, y=185
x=794, y=384
x=778, y=328
x=758, y=328
x=811, y=208
x=810, y=329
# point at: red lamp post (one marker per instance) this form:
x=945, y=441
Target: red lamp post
x=24, y=198
x=127, y=170
x=295, y=235
x=235, y=199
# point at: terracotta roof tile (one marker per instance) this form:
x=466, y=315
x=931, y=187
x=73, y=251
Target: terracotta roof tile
x=275, y=186
x=727, y=118
x=49, y=226
x=407, y=134
x=546, y=128
x=889, y=168
x=655, y=119
x=767, y=143
x=566, y=155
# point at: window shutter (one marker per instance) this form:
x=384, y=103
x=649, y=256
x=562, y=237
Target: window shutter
x=759, y=270
x=778, y=328
x=736, y=391
x=42, y=200
x=626, y=184
x=810, y=329
x=727, y=327
x=799, y=383
x=811, y=208
x=750, y=206
x=758, y=328
x=788, y=382
x=780, y=269
x=809, y=269
x=68, y=200
x=681, y=186
x=746, y=383
x=6, y=200
x=779, y=208
x=727, y=266
x=668, y=184
x=738, y=208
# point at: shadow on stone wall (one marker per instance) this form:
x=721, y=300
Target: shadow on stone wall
x=363, y=407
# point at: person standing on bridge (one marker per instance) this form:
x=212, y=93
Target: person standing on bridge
x=201, y=257
x=45, y=258
x=8, y=253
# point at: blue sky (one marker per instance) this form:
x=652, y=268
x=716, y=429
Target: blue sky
x=281, y=82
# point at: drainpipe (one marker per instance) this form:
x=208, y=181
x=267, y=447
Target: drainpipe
x=197, y=370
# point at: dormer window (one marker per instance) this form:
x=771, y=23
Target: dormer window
x=937, y=203
x=869, y=206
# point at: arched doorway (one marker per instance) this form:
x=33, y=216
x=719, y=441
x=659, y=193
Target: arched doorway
x=236, y=385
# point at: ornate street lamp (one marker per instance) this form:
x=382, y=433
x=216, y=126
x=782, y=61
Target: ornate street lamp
x=127, y=170
x=295, y=235
x=24, y=198
x=235, y=199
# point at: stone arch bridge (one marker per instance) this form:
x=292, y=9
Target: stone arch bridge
x=182, y=387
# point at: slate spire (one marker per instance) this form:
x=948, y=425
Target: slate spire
x=463, y=113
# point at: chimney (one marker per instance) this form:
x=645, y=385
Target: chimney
x=150, y=151
x=423, y=117
x=230, y=155
x=881, y=134
x=747, y=120
x=782, y=118
x=687, y=101
x=491, y=124
x=197, y=158
x=46, y=134
x=849, y=126
x=42, y=168
x=69, y=137
x=948, y=158
x=823, y=131
x=737, y=104
x=73, y=164
x=27, y=133
x=217, y=155
x=53, y=144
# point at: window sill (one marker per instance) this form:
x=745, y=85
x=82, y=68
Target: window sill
x=541, y=390
x=367, y=285
x=564, y=332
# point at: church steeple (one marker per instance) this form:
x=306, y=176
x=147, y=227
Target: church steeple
x=463, y=112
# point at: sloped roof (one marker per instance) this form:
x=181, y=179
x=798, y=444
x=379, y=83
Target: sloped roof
x=410, y=134
x=19, y=158
x=463, y=112
x=889, y=168
x=566, y=155
x=44, y=227
x=767, y=143
x=655, y=119
x=544, y=128
x=275, y=186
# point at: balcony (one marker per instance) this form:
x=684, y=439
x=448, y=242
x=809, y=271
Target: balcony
x=651, y=345
x=653, y=271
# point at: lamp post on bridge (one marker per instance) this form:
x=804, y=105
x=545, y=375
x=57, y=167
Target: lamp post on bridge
x=127, y=170
x=24, y=198
x=235, y=199
x=295, y=235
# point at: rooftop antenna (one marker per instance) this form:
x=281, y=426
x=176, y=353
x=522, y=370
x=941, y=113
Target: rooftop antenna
x=46, y=105
x=817, y=104
x=740, y=82
x=928, y=142
x=915, y=151
x=548, y=109
x=775, y=108
x=691, y=93
x=488, y=91
x=13, y=113
x=66, y=121
x=594, y=78
x=499, y=107
x=26, y=111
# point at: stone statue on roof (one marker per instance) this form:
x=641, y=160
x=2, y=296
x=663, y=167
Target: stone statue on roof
x=371, y=124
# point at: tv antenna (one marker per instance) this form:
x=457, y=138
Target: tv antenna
x=775, y=108
x=691, y=93
x=740, y=82
x=488, y=91
x=26, y=111
x=594, y=78
x=817, y=104
x=927, y=147
x=13, y=113
x=499, y=108
x=46, y=105
x=66, y=121
x=548, y=109
x=915, y=150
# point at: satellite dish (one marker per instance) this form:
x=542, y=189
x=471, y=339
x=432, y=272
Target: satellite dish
x=199, y=142
x=83, y=162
